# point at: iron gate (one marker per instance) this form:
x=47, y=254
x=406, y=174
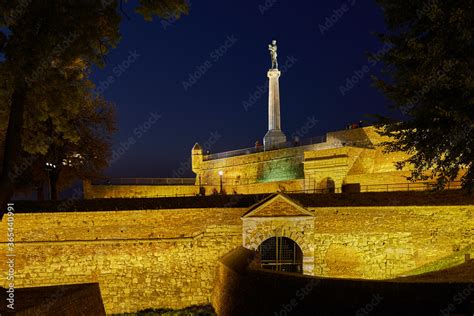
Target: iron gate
x=281, y=254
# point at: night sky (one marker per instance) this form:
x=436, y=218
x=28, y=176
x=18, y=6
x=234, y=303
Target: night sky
x=225, y=45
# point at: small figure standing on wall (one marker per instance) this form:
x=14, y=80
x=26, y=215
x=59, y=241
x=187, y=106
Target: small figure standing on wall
x=258, y=146
x=296, y=141
x=273, y=54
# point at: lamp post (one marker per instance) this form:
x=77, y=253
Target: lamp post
x=49, y=167
x=221, y=173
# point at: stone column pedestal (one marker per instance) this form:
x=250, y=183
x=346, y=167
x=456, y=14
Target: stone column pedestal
x=274, y=136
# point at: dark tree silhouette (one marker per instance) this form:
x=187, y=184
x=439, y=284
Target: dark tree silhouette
x=428, y=76
x=48, y=49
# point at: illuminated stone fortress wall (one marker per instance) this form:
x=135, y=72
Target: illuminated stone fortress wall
x=167, y=257
x=345, y=157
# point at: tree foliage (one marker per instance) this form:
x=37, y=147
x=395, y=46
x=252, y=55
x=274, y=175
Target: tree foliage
x=48, y=49
x=82, y=159
x=428, y=76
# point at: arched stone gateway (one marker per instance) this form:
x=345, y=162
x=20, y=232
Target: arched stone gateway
x=327, y=185
x=281, y=254
x=280, y=220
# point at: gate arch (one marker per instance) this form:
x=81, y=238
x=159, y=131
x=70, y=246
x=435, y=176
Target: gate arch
x=327, y=185
x=281, y=254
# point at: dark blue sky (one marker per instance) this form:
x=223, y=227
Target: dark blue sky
x=163, y=56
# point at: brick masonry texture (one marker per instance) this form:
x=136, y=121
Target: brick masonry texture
x=141, y=259
x=167, y=258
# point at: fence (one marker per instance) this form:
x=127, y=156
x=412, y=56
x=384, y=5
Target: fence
x=256, y=149
x=145, y=181
x=389, y=187
x=235, y=181
x=415, y=186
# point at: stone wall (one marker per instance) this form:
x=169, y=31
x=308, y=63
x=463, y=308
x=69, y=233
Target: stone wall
x=167, y=258
x=141, y=259
x=384, y=242
x=151, y=191
x=259, y=188
x=360, y=160
x=244, y=289
x=366, y=242
x=136, y=191
x=266, y=166
x=347, y=157
x=297, y=229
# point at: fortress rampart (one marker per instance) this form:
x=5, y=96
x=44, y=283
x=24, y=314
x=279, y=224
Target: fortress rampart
x=344, y=157
x=167, y=257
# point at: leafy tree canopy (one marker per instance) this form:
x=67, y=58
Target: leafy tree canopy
x=48, y=48
x=430, y=80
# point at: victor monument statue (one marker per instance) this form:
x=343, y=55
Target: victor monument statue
x=273, y=54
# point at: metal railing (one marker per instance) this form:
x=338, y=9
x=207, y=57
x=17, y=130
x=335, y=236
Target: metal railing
x=257, y=149
x=145, y=181
x=414, y=186
x=212, y=182
x=236, y=181
x=389, y=187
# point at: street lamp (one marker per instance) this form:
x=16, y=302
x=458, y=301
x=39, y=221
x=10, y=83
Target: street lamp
x=50, y=167
x=221, y=173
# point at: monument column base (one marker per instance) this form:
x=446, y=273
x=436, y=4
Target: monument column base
x=274, y=139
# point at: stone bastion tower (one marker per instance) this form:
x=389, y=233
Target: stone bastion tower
x=274, y=136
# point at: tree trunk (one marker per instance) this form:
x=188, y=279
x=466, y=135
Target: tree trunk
x=11, y=169
x=40, y=193
x=54, y=176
